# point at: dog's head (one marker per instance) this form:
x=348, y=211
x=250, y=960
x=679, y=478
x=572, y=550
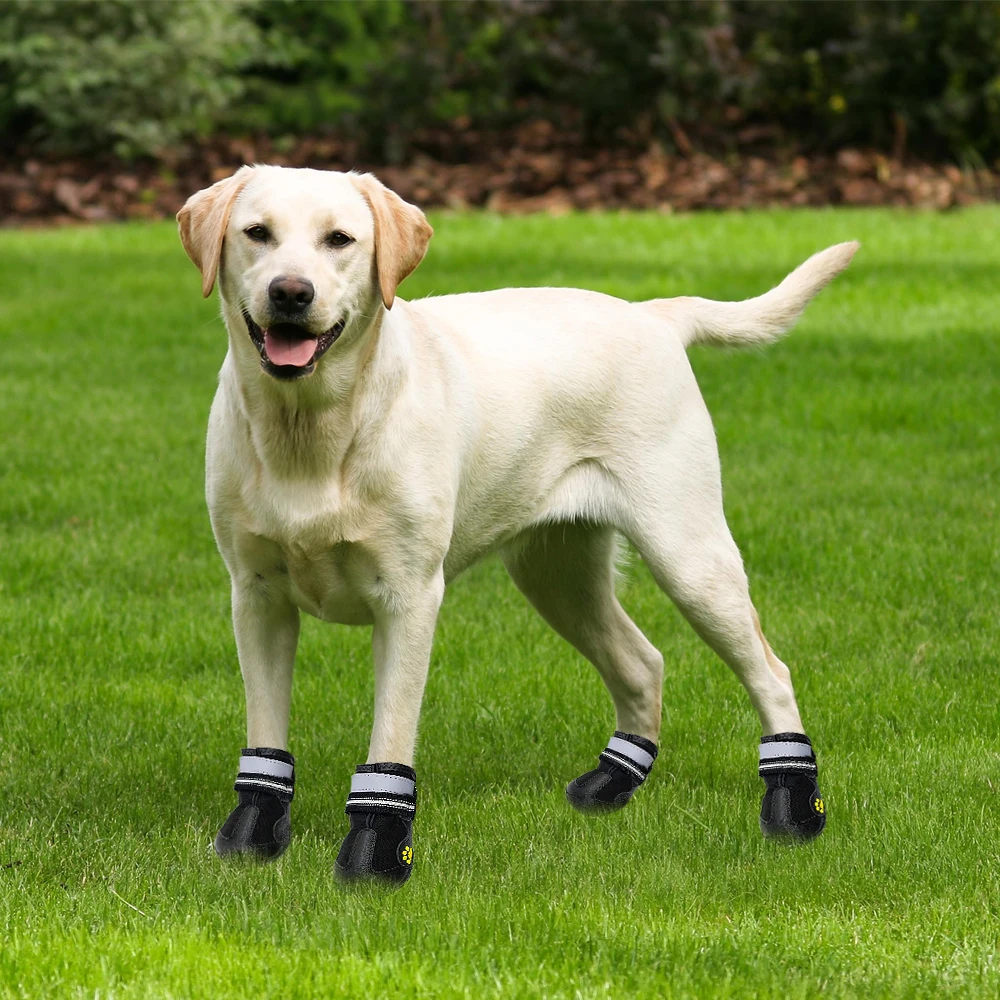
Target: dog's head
x=303, y=257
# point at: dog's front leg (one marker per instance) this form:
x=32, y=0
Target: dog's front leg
x=266, y=624
x=383, y=797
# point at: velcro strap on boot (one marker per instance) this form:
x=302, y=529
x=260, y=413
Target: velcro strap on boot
x=624, y=751
x=383, y=788
x=263, y=769
x=786, y=752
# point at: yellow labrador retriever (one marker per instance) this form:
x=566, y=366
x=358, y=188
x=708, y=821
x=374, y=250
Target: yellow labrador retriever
x=364, y=450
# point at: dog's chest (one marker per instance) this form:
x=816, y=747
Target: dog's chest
x=333, y=583
x=315, y=550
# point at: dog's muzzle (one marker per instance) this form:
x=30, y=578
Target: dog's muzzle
x=289, y=351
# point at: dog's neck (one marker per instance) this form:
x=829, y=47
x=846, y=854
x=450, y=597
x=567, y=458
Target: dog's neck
x=304, y=429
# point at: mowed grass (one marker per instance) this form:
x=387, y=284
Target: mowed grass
x=860, y=463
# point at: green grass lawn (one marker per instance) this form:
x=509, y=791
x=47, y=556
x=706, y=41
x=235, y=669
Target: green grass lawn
x=860, y=463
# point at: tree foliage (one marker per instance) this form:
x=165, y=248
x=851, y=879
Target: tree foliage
x=96, y=75
x=137, y=76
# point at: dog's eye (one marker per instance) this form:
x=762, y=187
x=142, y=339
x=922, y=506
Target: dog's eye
x=259, y=234
x=339, y=239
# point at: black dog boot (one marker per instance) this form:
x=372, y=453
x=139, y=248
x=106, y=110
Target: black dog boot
x=623, y=766
x=792, y=806
x=260, y=826
x=382, y=804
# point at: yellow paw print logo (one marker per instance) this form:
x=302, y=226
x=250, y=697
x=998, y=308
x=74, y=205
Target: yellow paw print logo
x=407, y=855
x=818, y=806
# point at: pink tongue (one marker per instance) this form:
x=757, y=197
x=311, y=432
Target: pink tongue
x=284, y=351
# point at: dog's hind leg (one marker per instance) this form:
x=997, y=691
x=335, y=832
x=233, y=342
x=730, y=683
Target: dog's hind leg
x=567, y=572
x=680, y=530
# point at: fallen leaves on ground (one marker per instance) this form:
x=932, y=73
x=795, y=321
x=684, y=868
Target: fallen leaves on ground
x=529, y=170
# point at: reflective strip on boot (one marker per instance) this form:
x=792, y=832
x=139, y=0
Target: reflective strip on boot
x=634, y=759
x=263, y=769
x=382, y=791
x=786, y=752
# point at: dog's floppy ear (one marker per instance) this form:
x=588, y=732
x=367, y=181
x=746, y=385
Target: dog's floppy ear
x=402, y=233
x=202, y=223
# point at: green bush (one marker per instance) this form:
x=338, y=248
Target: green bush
x=137, y=76
x=133, y=77
x=820, y=74
x=381, y=70
x=876, y=71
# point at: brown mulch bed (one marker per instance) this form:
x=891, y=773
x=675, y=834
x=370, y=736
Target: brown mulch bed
x=529, y=170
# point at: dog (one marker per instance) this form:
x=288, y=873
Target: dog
x=364, y=450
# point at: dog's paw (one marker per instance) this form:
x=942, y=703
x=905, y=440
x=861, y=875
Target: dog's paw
x=378, y=848
x=259, y=827
x=624, y=765
x=600, y=791
x=793, y=807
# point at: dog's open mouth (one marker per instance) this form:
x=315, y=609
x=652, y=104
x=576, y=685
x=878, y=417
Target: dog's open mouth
x=288, y=351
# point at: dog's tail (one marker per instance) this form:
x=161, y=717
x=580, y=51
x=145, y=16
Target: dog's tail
x=754, y=321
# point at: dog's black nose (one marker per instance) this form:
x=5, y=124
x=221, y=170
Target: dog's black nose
x=291, y=295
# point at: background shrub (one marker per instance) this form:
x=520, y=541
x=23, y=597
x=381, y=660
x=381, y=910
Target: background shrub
x=96, y=75
x=919, y=75
x=923, y=73
x=875, y=71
